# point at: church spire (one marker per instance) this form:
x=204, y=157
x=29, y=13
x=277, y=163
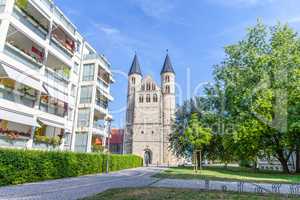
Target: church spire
x=135, y=66
x=167, y=65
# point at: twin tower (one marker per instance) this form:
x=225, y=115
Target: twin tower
x=149, y=114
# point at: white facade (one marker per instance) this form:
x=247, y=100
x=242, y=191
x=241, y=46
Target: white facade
x=43, y=68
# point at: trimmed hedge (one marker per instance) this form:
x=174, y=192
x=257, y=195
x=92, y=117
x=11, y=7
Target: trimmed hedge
x=21, y=166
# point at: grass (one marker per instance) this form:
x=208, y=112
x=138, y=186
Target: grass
x=229, y=174
x=150, y=193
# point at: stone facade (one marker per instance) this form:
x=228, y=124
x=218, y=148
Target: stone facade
x=150, y=109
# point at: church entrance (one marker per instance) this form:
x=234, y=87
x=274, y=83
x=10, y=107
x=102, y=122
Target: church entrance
x=148, y=157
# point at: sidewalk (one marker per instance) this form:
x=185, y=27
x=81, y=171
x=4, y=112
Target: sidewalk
x=285, y=189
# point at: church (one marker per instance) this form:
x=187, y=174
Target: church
x=150, y=110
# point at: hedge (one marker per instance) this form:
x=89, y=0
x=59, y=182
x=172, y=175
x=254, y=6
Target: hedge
x=21, y=166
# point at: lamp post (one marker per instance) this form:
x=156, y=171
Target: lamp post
x=108, y=142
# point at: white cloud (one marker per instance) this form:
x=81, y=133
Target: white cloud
x=155, y=8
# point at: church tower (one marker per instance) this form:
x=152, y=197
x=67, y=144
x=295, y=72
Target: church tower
x=168, y=105
x=134, y=83
x=149, y=114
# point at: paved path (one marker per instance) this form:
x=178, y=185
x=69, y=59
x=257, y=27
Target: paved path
x=79, y=187
x=84, y=186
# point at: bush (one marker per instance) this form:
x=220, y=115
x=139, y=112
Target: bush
x=21, y=166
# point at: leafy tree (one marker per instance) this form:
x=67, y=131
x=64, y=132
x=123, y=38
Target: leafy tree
x=260, y=75
x=196, y=135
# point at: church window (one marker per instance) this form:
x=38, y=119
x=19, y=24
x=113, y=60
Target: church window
x=153, y=86
x=155, y=98
x=167, y=79
x=148, y=87
x=133, y=80
x=152, y=132
x=143, y=87
x=142, y=132
x=148, y=99
x=167, y=89
x=141, y=99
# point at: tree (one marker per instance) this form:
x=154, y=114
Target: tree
x=260, y=77
x=196, y=135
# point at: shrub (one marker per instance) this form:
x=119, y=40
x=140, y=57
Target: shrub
x=21, y=166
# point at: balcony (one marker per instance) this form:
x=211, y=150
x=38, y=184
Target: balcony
x=65, y=22
x=52, y=109
x=17, y=97
x=20, y=55
x=57, y=78
x=30, y=22
x=61, y=48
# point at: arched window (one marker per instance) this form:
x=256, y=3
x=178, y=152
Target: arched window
x=148, y=99
x=141, y=99
x=133, y=80
x=155, y=98
x=148, y=86
x=153, y=86
x=167, y=89
x=167, y=79
x=143, y=87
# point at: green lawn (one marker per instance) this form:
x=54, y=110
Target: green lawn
x=231, y=173
x=177, y=194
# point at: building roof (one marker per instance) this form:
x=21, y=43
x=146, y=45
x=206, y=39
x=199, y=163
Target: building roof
x=135, y=66
x=116, y=136
x=167, y=66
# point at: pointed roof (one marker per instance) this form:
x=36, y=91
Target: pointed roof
x=135, y=66
x=167, y=66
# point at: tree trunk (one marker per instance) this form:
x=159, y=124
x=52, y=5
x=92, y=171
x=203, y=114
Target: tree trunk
x=200, y=155
x=284, y=164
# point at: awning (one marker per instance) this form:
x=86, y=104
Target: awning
x=18, y=117
x=51, y=123
x=21, y=77
x=56, y=94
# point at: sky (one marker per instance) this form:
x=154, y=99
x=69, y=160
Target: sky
x=195, y=33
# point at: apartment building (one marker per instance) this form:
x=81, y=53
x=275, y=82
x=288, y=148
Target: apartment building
x=54, y=87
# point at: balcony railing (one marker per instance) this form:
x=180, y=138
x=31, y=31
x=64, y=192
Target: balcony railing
x=22, y=57
x=98, y=126
x=29, y=22
x=17, y=97
x=56, y=77
x=55, y=110
x=102, y=85
x=102, y=104
x=96, y=56
x=59, y=47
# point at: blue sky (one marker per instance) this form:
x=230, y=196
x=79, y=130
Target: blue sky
x=194, y=31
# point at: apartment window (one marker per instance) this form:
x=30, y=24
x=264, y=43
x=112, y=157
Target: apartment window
x=76, y=68
x=78, y=46
x=148, y=98
x=141, y=99
x=73, y=90
x=83, y=118
x=88, y=72
x=155, y=98
x=86, y=94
